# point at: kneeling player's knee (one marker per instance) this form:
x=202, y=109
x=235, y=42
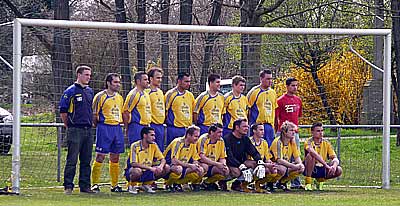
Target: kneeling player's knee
x=339, y=171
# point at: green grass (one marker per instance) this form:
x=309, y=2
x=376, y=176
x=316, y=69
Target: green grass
x=332, y=196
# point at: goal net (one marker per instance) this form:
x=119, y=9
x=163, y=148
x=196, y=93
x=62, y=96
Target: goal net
x=337, y=87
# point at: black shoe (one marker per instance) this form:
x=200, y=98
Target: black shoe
x=282, y=186
x=195, y=187
x=170, y=188
x=223, y=186
x=87, y=190
x=178, y=188
x=236, y=186
x=116, y=189
x=270, y=187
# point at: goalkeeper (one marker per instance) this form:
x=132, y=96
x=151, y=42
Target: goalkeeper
x=238, y=149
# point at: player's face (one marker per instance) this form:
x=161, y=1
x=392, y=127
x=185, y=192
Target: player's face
x=84, y=78
x=317, y=132
x=259, y=132
x=243, y=128
x=290, y=133
x=144, y=81
x=150, y=137
x=239, y=87
x=217, y=134
x=193, y=138
x=156, y=79
x=292, y=88
x=215, y=85
x=267, y=80
x=184, y=83
x=115, y=84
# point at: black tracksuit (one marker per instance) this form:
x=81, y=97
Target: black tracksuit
x=237, y=150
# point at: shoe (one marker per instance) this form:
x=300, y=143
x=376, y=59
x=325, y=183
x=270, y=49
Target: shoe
x=68, y=191
x=178, y=188
x=320, y=186
x=270, y=187
x=282, y=186
x=95, y=188
x=170, y=188
x=154, y=186
x=308, y=187
x=223, y=186
x=132, y=190
x=236, y=186
x=195, y=187
x=116, y=189
x=87, y=190
x=148, y=189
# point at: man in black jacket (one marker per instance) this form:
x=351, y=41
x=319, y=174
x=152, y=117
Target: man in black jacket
x=238, y=149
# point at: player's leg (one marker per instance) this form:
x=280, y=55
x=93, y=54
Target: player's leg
x=85, y=158
x=104, y=140
x=194, y=176
x=174, y=175
x=273, y=178
x=117, y=148
x=73, y=142
x=309, y=163
x=134, y=132
x=269, y=134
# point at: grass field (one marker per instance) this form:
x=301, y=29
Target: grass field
x=331, y=196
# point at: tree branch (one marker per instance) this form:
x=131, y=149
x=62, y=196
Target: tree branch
x=270, y=9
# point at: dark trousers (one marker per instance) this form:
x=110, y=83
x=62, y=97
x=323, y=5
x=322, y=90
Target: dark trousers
x=80, y=144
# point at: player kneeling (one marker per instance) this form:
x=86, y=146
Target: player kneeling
x=211, y=148
x=283, y=148
x=140, y=167
x=184, y=158
x=317, y=149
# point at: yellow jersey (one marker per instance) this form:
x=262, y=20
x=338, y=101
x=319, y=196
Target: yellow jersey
x=179, y=108
x=213, y=151
x=178, y=150
x=262, y=105
x=157, y=105
x=234, y=108
x=108, y=109
x=138, y=104
x=281, y=151
x=145, y=156
x=262, y=148
x=209, y=108
x=324, y=149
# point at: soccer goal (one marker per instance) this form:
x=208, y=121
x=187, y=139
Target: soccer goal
x=333, y=84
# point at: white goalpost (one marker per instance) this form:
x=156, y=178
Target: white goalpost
x=17, y=65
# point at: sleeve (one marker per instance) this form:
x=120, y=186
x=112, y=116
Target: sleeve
x=275, y=101
x=277, y=110
x=306, y=144
x=168, y=98
x=251, y=97
x=275, y=155
x=175, y=148
x=132, y=154
x=199, y=103
x=231, y=160
x=247, y=106
x=195, y=154
x=226, y=104
x=200, y=145
x=96, y=104
x=331, y=151
x=157, y=153
x=252, y=150
x=222, y=147
x=131, y=101
x=65, y=101
x=193, y=102
x=296, y=152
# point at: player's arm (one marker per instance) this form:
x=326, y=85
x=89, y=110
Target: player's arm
x=64, y=118
x=286, y=163
x=206, y=160
x=252, y=150
x=141, y=166
x=96, y=109
x=198, y=105
x=64, y=105
x=315, y=155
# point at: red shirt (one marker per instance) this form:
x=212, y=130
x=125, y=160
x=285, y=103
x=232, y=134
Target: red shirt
x=289, y=108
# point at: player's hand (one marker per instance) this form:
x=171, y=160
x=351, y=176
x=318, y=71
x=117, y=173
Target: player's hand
x=153, y=169
x=247, y=174
x=259, y=171
x=193, y=167
x=332, y=170
x=220, y=165
x=159, y=169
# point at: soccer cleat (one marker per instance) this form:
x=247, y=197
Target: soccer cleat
x=148, y=189
x=282, y=186
x=270, y=187
x=195, y=187
x=132, y=190
x=68, y=191
x=308, y=187
x=178, y=188
x=320, y=186
x=223, y=186
x=95, y=188
x=116, y=189
x=236, y=186
x=170, y=188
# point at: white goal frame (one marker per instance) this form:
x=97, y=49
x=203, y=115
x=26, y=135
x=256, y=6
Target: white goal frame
x=17, y=82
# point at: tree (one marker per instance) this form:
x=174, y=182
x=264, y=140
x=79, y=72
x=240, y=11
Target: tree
x=184, y=38
x=395, y=5
x=140, y=35
x=164, y=40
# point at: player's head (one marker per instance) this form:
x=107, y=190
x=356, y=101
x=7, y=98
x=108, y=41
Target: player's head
x=148, y=135
x=240, y=126
x=292, y=85
x=183, y=80
x=214, y=82
x=113, y=82
x=141, y=79
x=238, y=83
x=317, y=130
x=215, y=130
x=288, y=129
x=192, y=134
x=155, y=75
x=258, y=130
x=266, y=78
x=83, y=74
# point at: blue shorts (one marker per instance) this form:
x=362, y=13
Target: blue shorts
x=159, y=130
x=226, y=131
x=203, y=129
x=109, y=139
x=318, y=172
x=269, y=135
x=134, y=130
x=145, y=177
x=174, y=132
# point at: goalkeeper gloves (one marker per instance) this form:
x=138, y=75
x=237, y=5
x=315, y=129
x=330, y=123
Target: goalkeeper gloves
x=247, y=174
x=259, y=171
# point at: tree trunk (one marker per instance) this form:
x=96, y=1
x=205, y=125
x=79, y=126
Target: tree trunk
x=322, y=94
x=123, y=47
x=140, y=35
x=210, y=40
x=396, y=39
x=165, y=45
x=184, y=38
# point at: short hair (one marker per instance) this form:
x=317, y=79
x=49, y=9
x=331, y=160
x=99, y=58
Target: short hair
x=316, y=124
x=138, y=75
x=110, y=77
x=190, y=130
x=238, y=122
x=151, y=72
x=264, y=72
x=254, y=126
x=237, y=79
x=214, y=127
x=285, y=126
x=145, y=130
x=290, y=80
x=81, y=68
x=183, y=74
x=212, y=78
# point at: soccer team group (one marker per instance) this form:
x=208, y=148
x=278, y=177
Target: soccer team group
x=252, y=140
